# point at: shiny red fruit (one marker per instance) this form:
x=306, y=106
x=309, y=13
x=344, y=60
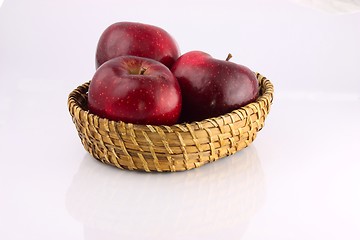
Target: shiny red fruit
x=135, y=90
x=136, y=39
x=212, y=87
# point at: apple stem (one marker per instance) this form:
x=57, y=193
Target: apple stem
x=142, y=70
x=228, y=57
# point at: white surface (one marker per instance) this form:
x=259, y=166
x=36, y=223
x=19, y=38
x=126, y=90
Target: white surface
x=298, y=180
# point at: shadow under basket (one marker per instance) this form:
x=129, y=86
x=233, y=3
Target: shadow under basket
x=168, y=148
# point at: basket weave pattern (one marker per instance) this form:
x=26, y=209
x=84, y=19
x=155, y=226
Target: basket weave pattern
x=168, y=148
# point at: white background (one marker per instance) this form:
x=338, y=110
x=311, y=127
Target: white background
x=298, y=180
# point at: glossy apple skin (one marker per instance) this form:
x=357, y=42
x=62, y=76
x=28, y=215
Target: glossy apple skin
x=136, y=39
x=135, y=90
x=212, y=87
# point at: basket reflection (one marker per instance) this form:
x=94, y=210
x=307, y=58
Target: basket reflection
x=202, y=202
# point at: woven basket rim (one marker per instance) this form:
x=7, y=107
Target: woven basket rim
x=266, y=94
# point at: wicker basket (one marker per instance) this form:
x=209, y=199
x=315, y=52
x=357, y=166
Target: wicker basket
x=168, y=148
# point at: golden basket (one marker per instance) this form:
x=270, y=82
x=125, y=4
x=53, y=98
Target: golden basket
x=168, y=148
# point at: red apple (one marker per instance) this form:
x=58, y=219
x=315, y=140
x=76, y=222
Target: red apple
x=212, y=87
x=135, y=90
x=136, y=39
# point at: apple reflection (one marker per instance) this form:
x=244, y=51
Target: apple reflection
x=212, y=201
x=333, y=6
